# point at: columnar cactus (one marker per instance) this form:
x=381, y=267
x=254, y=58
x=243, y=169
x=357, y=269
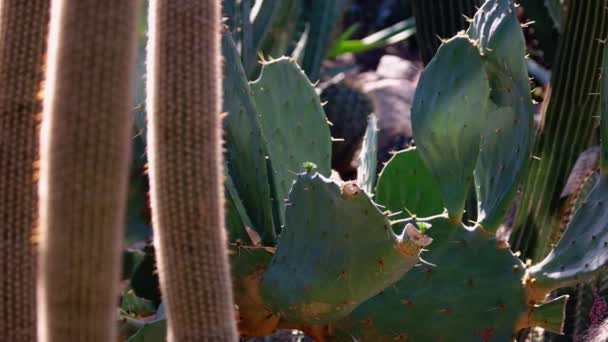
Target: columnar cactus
x=84, y=167
x=567, y=125
x=185, y=136
x=23, y=30
x=440, y=19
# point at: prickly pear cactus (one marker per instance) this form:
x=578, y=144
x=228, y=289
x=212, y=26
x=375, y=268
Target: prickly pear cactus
x=294, y=138
x=448, y=124
x=246, y=149
x=319, y=272
x=443, y=299
x=346, y=267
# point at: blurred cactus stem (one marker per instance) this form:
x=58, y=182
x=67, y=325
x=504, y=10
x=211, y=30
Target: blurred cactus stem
x=186, y=173
x=86, y=149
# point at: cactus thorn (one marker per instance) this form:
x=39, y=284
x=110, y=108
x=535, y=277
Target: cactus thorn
x=525, y=25
x=502, y=244
x=445, y=311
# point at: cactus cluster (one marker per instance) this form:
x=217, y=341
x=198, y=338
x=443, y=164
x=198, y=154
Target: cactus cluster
x=347, y=108
x=472, y=120
x=392, y=259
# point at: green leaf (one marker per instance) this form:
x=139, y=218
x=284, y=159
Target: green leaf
x=391, y=35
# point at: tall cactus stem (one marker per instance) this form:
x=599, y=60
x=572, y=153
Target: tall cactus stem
x=440, y=19
x=85, y=155
x=568, y=125
x=185, y=136
x=23, y=30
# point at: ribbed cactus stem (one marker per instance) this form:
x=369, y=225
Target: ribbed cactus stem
x=185, y=137
x=23, y=30
x=86, y=148
x=440, y=19
x=567, y=127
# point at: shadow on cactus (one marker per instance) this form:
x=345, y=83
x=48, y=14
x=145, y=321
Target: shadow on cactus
x=353, y=261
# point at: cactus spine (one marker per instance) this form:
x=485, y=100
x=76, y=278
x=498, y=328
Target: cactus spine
x=184, y=99
x=84, y=167
x=23, y=29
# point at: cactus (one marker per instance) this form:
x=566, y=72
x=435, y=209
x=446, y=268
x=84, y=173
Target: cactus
x=565, y=133
x=368, y=157
x=346, y=267
x=322, y=17
x=347, y=108
x=84, y=167
x=186, y=169
x=23, y=30
x=440, y=19
x=448, y=137
x=246, y=149
x=318, y=273
x=291, y=139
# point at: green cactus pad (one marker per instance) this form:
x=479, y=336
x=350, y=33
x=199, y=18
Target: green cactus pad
x=448, y=118
x=470, y=287
x=151, y=332
x=293, y=124
x=236, y=216
x=405, y=185
x=506, y=143
x=245, y=146
x=470, y=290
x=549, y=316
x=336, y=250
x=368, y=158
x=582, y=252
